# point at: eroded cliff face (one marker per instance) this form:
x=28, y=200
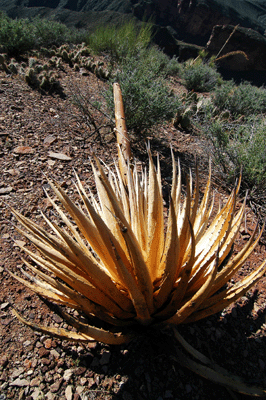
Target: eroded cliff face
x=192, y=20
x=123, y=6
x=242, y=49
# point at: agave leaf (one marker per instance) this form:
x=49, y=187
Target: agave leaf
x=218, y=229
x=92, y=335
x=123, y=192
x=170, y=259
x=155, y=231
x=75, y=255
x=180, y=286
x=81, y=293
x=85, y=225
x=218, y=375
x=46, y=292
x=224, y=250
x=225, y=298
x=185, y=238
x=192, y=304
x=133, y=249
x=202, y=216
x=236, y=262
x=109, y=241
x=195, y=202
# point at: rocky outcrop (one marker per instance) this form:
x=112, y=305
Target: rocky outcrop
x=193, y=20
x=123, y=6
x=244, y=49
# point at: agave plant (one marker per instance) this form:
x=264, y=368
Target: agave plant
x=123, y=259
x=116, y=260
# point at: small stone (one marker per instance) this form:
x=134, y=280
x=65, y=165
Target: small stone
x=43, y=352
x=49, y=140
x=68, y=374
x=23, y=150
x=26, y=343
x=6, y=190
x=56, y=386
x=50, y=396
x=17, y=372
x=4, y=361
x=20, y=382
x=30, y=372
x=35, y=382
x=55, y=353
x=4, y=305
x=4, y=386
x=59, y=156
x=92, y=345
x=79, y=389
x=48, y=343
x=79, y=371
x=83, y=381
x=69, y=393
x=46, y=361
x=188, y=388
x=105, y=358
x=51, y=163
x=37, y=394
x=13, y=171
x=56, y=317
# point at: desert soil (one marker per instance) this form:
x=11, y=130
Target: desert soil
x=44, y=134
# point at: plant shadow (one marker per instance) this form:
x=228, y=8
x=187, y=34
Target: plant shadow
x=148, y=367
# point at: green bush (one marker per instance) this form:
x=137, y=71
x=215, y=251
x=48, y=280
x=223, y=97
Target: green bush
x=200, y=76
x=18, y=36
x=121, y=41
x=239, y=147
x=243, y=99
x=147, y=98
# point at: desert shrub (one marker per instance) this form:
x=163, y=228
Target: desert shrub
x=200, y=76
x=161, y=64
x=18, y=36
x=173, y=67
x=244, y=99
x=48, y=33
x=240, y=147
x=121, y=41
x=147, y=98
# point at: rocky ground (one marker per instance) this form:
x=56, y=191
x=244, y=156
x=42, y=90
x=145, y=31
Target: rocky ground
x=46, y=134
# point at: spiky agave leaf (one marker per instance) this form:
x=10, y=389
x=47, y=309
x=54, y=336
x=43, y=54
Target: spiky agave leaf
x=116, y=262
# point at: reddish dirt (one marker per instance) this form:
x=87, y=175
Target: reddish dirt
x=32, y=366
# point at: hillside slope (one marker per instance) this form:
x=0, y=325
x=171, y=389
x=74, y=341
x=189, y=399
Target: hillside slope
x=45, y=135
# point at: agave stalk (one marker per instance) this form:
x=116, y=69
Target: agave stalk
x=117, y=261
